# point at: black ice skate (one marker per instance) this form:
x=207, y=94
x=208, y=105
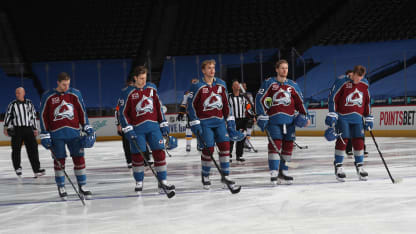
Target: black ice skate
x=273, y=177
x=362, y=174
x=40, y=172
x=282, y=178
x=85, y=192
x=241, y=159
x=168, y=187
x=188, y=148
x=339, y=172
x=206, y=182
x=139, y=186
x=19, y=171
x=62, y=193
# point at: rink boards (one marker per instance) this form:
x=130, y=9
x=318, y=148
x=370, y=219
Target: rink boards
x=390, y=121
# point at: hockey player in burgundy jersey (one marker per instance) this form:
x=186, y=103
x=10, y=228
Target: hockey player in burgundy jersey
x=211, y=118
x=276, y=102
x=142, y=121
x=348, y=103
x=62, y=118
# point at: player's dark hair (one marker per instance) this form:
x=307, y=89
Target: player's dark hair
x=139, y=70
x=281, y=61
x=235, y=80
x=63, y=76
x=348, y=72
x=359, y=70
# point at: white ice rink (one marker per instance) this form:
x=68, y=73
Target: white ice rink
x=315, y=203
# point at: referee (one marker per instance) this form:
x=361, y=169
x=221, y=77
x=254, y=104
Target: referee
x=238, y=104
x=20, y=125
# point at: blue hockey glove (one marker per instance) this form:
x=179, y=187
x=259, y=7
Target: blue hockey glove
x=231, y=123
x=129, y=133
x=88, y=141
x=235, y=135
x=172, y=143
x=45, y=140
x=330, y=134
x=369, y=123
x=262, y=122
x=301, y=120
x=196, y=127
x=88, y=130
x=331, y=119
x=164, y=128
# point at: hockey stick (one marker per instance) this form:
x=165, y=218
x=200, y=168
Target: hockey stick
x=81, y=197
x=169, y=194
x=251, y=145
x=232, y=190
x=164, y=145
x=384, y=162
x=300, y=147
x=289, y=164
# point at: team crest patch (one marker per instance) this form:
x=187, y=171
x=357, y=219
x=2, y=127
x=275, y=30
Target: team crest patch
x=55, y=100
x=275, y=87
x=349, y=85
x=204, y=90
x=161, y=142
x=135, y=96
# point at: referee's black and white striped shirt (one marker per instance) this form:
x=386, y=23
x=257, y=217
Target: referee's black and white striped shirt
x=238, y=105
x=21, y=114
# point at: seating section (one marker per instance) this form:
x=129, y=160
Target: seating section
x=235, y=26
x=73, y=30
x=371, y=21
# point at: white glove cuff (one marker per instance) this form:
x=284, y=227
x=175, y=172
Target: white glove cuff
x=231, y=117
x=164, y=124
x=263, y=117
x=194, y=122
x=45, y=135
x=128, y=128
x=333, y=115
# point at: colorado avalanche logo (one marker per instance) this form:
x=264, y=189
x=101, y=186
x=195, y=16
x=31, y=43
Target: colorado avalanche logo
x=64, y=110
x=282, y=97
x=145, y=105
x=214, y=101
x=354, y=98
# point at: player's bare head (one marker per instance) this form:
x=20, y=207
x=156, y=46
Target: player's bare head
x=349, y=73
x=235, y=86
x=208, y=68
x=139, y=75
x=63, y=82
x=194, y=80
x=20, y=94
x=282, y=68
x=358, y=74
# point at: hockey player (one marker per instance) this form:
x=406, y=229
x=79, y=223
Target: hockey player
x=62, y=118
x=348, y=103
x=181, y=115
x=142, y=121
x=213, y=121
x=276, y=102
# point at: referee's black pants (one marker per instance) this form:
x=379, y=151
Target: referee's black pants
x=241, y=124
x=25, y=134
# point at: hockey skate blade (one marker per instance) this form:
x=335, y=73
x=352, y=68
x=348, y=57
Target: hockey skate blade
x=340, y=179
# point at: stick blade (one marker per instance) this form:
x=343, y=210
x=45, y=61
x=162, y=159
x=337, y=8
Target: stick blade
x=397, y=181
x=170, y=194
x=234, y=190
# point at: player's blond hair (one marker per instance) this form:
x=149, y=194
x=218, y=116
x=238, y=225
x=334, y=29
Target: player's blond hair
x=207, y=62
x=281, y=61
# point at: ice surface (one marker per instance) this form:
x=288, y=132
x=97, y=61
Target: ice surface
x=314, y=203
